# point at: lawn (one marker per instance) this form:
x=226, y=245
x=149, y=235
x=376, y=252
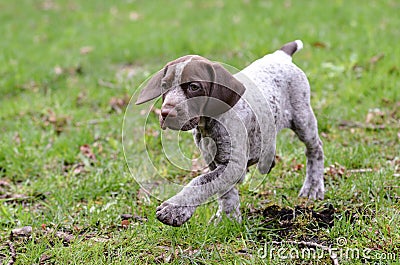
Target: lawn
x=68, y=180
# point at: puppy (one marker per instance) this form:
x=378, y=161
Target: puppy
x=235, y=119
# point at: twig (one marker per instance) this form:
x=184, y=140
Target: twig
x=90, y=122
x=332, y=254
x=360, y=170
x=355, y=124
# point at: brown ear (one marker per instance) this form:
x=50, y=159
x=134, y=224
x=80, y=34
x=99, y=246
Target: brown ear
x=226, y=88
x=152, y=89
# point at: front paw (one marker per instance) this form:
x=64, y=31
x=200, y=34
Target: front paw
x=174, y=215
x=313, y=190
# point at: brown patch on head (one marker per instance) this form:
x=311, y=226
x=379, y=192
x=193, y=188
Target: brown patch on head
x=225, y=87
x=157, y=84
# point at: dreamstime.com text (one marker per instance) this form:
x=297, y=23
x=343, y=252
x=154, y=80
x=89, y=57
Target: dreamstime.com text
x=289, y=251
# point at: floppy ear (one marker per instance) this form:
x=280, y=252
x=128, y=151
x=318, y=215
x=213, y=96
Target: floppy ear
x=152, y=89
x=226, y=88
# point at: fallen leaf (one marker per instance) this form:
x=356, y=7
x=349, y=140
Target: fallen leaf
x=298, y=167
x=288, y=4
x=58, y=70
x=319, y=44
x=82, y=96
x=4, y=183
x=125, y=223
x=23, y=231
x=49, y=5
x=375, y=116
x=134, y=16
x=335, y=170
x=44, y=258
x=78, y=168
x=87, y=151
x=152, y=132
x=376, y=58
x=57, y=121
x=118, y=104
x=99, y=147
x=67, y=238
x=86, y=49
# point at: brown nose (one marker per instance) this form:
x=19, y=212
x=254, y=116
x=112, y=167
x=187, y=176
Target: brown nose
x=168, y=111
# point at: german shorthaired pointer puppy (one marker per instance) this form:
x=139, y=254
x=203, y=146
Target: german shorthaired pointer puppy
x=235, y=119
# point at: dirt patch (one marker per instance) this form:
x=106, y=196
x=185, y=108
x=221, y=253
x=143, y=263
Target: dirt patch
x=293, y=223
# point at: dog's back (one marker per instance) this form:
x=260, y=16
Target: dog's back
x=280, y=81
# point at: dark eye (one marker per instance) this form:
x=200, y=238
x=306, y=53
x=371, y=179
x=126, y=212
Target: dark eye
x=194, y=87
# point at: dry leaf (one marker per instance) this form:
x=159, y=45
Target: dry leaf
x=64, y=236
x=376, y=58
x=58, y=70
x=375, y=116
x=57, y=121
x=298, y=167
x=119, y=104
x=87, y=151
x=152, y=132
x=86, y=49
x=82, y=96
x=4, y=183
x=335, y=170
x=49, y=5
x=44, y=258
x=78, y=168
x=125, y=223
x=134, y=16
x=24, y=231
x=319, y=44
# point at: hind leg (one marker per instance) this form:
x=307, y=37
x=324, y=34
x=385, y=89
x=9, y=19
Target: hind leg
x=228, y=204
x=305, y=126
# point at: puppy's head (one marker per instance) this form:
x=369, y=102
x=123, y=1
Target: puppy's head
x=191, y=87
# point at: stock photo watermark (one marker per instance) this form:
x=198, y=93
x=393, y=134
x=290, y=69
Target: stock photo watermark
x=340, y=251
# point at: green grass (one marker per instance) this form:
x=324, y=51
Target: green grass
x=64, y=65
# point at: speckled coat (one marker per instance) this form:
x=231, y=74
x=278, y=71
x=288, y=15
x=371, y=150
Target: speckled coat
x=276, y=96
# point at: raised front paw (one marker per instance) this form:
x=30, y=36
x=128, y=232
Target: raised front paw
x=313, y=189
x=174, y=215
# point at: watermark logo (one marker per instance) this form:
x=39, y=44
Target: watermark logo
x=340, y=251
